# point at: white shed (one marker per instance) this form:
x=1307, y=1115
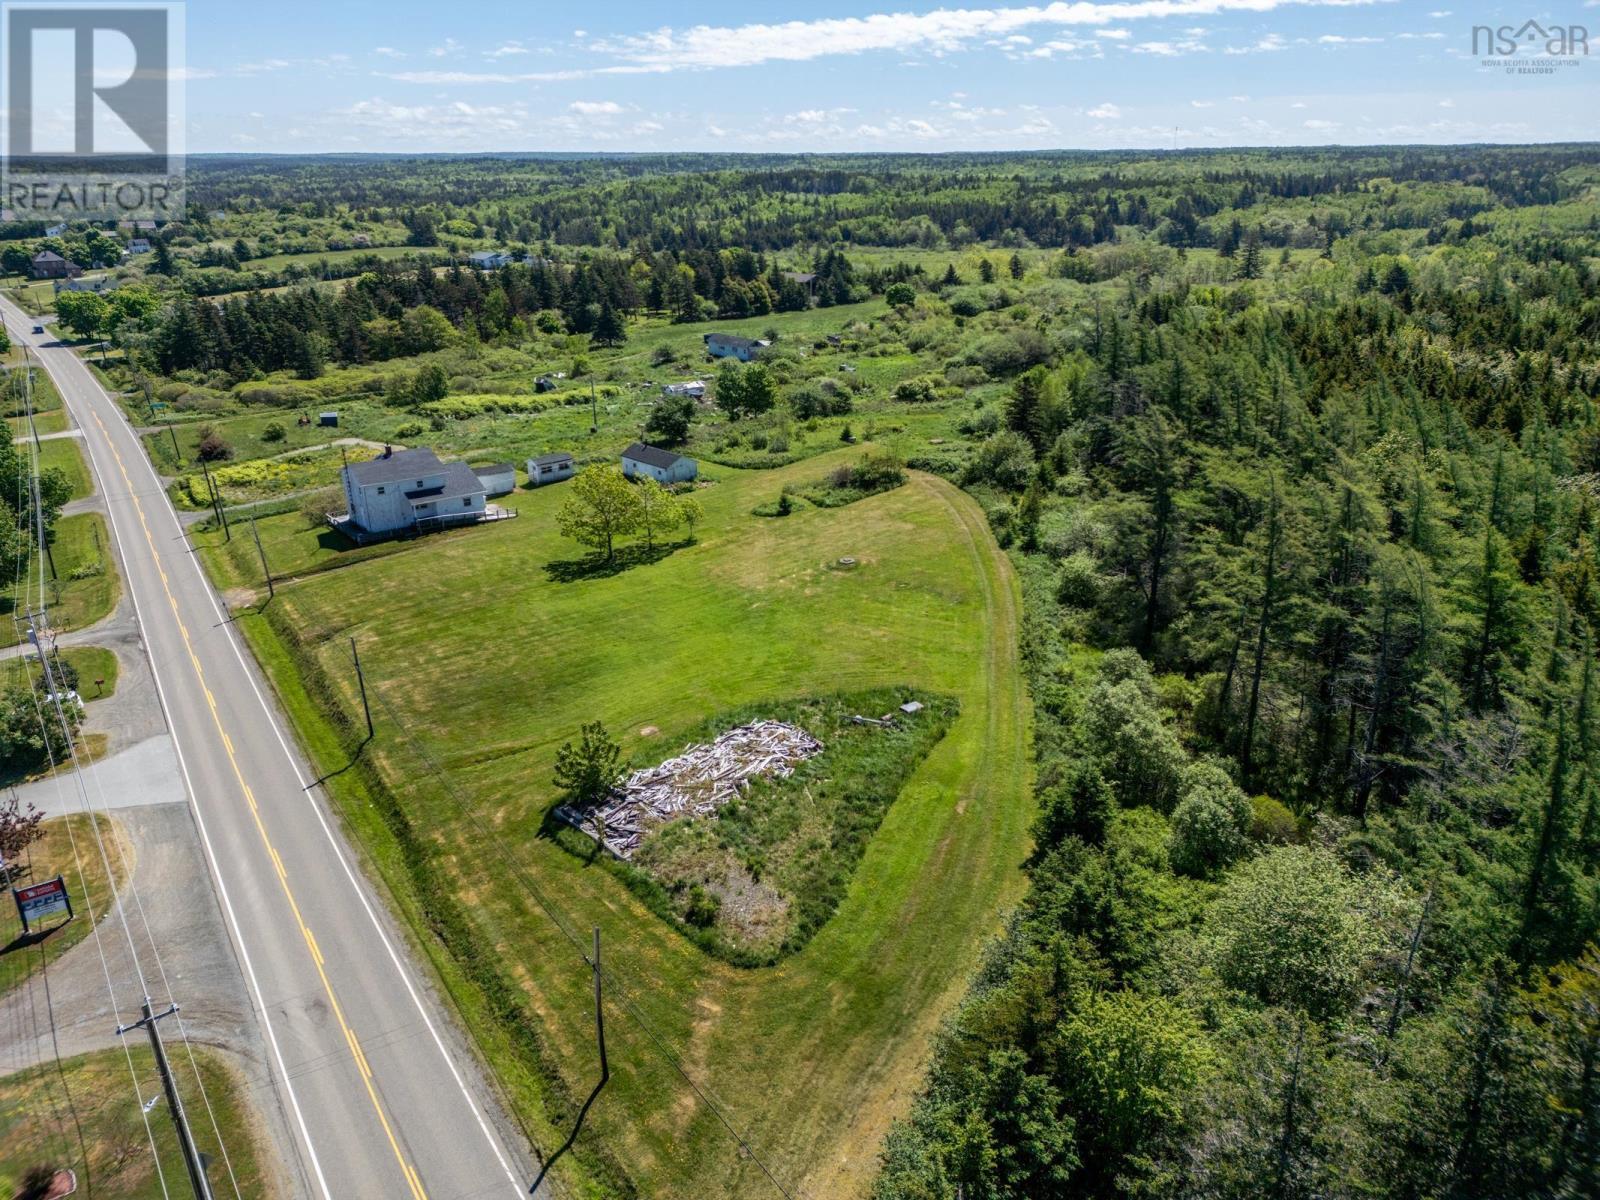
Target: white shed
x=549, y=468
x=640, y=461
x=498, y=479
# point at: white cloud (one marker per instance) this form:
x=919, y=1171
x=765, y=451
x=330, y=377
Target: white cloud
x=1438, y=13
x=1264, y=45
x=1321, y=126
x=942, y=31
x=1411, y=37
x=388, y=52
x=1447, y=104
x=1297, y=104
x=1105, y=112
x=595, y=108
x=1338, y=39
x=1171, y=49
x=1240, y=99
x=1202, y=103
x=506, y=51
x=449, y=46
x=1116, y=35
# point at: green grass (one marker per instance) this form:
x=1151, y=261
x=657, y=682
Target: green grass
x=44, y=1112
x=68, y=848
x=80, y=543
x=54, y=421
x=45, y=397
x=64, y=455
x=276, y=262
x=760, y=878
x=90, y=663
x=481, y=654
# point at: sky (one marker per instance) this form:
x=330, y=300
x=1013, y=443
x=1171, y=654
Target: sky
x=855, y=75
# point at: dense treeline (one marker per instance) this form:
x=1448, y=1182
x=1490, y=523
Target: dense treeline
x=1312, y=624
x=711, y=202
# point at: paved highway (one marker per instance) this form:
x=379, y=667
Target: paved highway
x=379, y=1093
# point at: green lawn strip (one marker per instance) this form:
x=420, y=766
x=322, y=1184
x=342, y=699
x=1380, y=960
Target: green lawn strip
x=70, y=849
x=84, y=1116
x=45, y=398
x=753, y=609
x=755, y=882
x=64, y=455
x=87, y=663
x=81, y=548
x=53, y=421
x=484, y=992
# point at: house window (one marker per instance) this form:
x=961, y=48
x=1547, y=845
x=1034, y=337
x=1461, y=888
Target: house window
x=380, y=491
x=466, y=502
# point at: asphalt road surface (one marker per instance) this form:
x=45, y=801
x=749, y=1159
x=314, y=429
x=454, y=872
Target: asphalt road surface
x=379, y=1092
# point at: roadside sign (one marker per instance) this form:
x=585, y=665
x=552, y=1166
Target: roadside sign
x=39, y=902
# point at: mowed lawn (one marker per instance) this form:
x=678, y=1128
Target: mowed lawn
x=82, y=548
x=490, y=662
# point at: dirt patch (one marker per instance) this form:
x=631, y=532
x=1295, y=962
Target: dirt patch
x=648, y=731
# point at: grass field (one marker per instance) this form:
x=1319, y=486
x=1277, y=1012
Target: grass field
x=81, y=543
x=65, y=455
x=54, y=421
x=69, y=848
x=90, y=662
x=84, y=1116
x=485, y=658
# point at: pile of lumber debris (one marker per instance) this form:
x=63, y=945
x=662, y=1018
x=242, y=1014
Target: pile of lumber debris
x=694, y=784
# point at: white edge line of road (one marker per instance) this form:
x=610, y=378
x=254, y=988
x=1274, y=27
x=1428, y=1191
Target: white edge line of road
x=294, y=765
x=205, y=837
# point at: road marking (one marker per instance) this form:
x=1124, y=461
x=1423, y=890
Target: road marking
x=411, y=1177
x=92, y=388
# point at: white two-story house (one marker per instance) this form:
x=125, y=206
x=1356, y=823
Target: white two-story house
x=406, y=490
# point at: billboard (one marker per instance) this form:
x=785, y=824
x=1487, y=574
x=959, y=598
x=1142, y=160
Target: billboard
x=39, y=902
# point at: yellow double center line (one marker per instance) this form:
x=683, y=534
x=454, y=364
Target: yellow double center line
x=360, y=1058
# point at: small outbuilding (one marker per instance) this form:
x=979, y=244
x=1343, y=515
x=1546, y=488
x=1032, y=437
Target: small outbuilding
x=732, y=345
x=330, y=419
x=642, y=461
x=543, y=384
x=550, y=468
x=498, y=479
x=694, y=388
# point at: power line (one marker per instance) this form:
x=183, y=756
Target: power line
x=627, y=1002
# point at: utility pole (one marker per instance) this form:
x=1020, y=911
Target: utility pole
x=361, y=679
x=605, y=1070
x=267, y=571
x=191, y=1154
x=594, y=408
x=216, y=501
x=176, y=452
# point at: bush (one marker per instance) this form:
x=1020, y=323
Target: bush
x=1005, y=460
x=274, y=432
x=701, y=907
x=1209, y=824
x=661, y=356
x=317, y=507
x=212, y=447
x=817, y=399
x=1078, y=585
x=1271, y=821
x=410, y=429
x=1009, y=353
x=920, y=389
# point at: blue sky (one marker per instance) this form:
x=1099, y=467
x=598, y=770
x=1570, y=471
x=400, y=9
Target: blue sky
x=298, y=76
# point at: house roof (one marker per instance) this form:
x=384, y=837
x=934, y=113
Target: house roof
x=398, y=465
x=731, y=339
x=651, y=456
x=550, y=460
x=459, y=480
x=45, y=256
x=799, y=276
x=493, y=469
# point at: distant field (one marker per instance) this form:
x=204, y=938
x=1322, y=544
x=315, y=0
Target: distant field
x=86, y=1116
x=476, y=647
x=276, y=262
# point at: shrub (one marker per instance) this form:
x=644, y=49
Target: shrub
x=779, y=444
x=900, y=295
x=1005, y=460
x=212, y=447
x=1078, y=585
x=410, y=429
x=1271, y=821
x=816, y=399
x=274, y=432
x=317, y=507
x=701, y=907
x=1209, y=824
x=661, y=356
x=920, y=389
x=1009, y=353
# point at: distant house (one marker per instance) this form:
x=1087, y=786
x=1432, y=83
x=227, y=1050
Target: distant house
x=497, y=478
x=100, y=283
x=640, y=461
x=488, y=260
x=47, y=264
x=139, y=246
x=409, y=490
x=731, y=345
x=695, y=388
x=55, y=230
x=140, y=223
x=549, y=468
